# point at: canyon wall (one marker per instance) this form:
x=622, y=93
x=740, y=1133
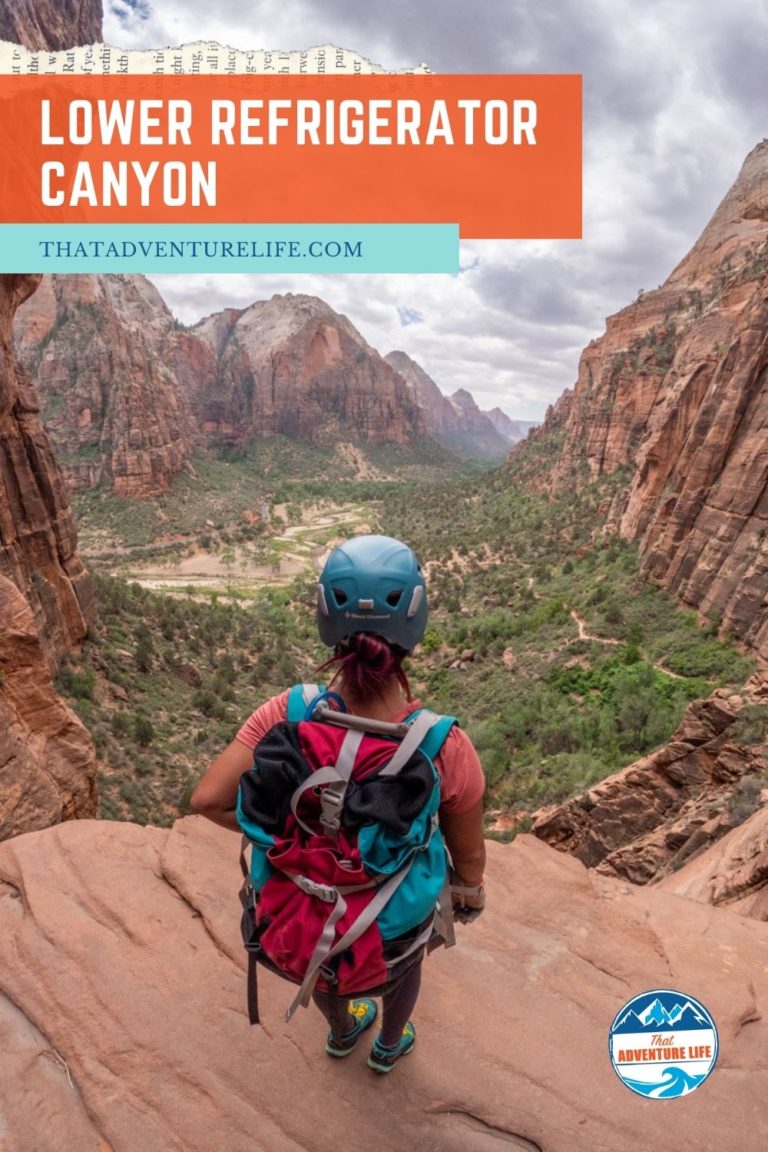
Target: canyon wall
x=53, y=24
x=676, y=392
x=291, y=365
x=37, y=533
x=98, y=348
x=456, y=422
x=47, y=759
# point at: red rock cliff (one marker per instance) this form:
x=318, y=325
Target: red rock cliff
x=677, y=389
x=96, y=346
x=653, y=816
x=37, y=532
x=456, y=422
x=292, y=365
x=54, y=25
x=47, y=759
x=128, y=393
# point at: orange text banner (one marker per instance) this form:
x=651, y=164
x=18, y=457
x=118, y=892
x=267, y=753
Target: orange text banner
x=498, y=155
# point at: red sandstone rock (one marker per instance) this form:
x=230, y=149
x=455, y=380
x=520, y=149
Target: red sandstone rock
x=292, y=365
x=96, y=346
x=128, y=394
x=123, y=1024
x=49, y=24
x=732, y=873
x=47, y=760
x=654, y=815
x=512, y=430
x=677, y=389
x=37, y=533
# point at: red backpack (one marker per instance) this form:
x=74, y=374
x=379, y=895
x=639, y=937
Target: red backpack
x=348, y=879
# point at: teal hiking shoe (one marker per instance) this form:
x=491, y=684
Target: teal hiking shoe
x=363, y=1012
x=384, y=1059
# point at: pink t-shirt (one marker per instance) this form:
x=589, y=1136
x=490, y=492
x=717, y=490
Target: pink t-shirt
x=461, y=776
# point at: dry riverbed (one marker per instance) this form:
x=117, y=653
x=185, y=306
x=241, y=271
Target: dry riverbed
x=241, y=570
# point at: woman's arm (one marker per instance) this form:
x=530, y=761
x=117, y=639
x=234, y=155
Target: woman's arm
x=463, y=832
x=216, y=794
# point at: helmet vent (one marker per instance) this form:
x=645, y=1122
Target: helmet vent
x=339, y=596
x=394, y=597
x=416, y=599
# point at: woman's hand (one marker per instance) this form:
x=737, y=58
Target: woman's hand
x=468, y=902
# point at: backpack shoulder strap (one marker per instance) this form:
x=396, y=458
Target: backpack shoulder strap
x=437, y=735
x=421, y=726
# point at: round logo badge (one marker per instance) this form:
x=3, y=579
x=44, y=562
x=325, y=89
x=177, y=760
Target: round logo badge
x=663, y=1044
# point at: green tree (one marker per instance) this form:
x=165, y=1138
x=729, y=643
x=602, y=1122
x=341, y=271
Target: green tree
x=143, y=732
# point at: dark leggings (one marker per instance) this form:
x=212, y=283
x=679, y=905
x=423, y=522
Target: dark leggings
x=397, y=1006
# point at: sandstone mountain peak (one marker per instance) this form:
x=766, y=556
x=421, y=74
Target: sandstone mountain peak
x=461, y=398
x=512, y=430
x=296, y=304
x=415, y=376
x=302, y=301
x=739, y=220
x=128, y=394
x=266, y=324
x=292, y=365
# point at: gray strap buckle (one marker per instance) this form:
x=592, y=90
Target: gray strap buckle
x=331, y=804
x=312, y=888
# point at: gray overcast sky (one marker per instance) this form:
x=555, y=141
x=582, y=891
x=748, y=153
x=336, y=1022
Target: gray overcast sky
x=675, y=95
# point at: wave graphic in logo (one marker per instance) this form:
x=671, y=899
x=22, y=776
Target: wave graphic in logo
x=674, y=1082
x=663, y=1044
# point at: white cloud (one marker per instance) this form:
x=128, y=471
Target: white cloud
x=674, y=98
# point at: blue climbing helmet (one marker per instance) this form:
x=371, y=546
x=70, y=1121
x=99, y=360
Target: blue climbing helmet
x=372, y=584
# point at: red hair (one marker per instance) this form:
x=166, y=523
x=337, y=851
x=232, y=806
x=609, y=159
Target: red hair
x=365, y=665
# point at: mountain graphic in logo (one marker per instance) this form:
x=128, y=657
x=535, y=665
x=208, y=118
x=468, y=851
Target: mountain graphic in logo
x=656, y=1016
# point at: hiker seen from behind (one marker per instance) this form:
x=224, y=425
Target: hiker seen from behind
x=348, y=796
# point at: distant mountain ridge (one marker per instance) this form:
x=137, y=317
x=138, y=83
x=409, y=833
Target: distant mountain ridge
x=511, y=430
x=128, y=394
x=455, y=421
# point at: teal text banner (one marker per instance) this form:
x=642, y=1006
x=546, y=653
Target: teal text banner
x=245, y=248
